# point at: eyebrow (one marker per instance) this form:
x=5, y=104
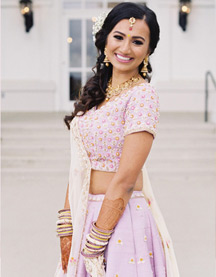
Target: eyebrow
x=132, y=37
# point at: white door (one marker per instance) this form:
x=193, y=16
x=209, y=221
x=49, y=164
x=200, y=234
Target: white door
x=79, y=56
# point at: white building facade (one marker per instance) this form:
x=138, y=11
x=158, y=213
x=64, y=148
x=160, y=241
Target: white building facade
x=42, y=69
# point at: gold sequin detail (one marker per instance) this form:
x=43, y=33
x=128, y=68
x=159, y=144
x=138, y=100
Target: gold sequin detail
x=119, y=241
x=149, y=114
x=141, y=105
x=112, y=123
x=141, y=261
x=117, y=138
x=108, y=113
x=138, y=122
x=98, y=126
x=110, y=131
x=117, y=154
x=131, y=261
x=122, y=122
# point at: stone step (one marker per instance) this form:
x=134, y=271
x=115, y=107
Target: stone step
x=62, y=134
x=60, y=177
x=158, y=172
x=44, y=126
x=162, y=142
x=55, y=153
x=64, y=154
x=63, y=165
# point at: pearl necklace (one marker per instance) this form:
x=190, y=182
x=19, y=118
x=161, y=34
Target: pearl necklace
x=111, y=91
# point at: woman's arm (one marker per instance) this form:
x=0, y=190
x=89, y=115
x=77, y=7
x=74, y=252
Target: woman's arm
x=65, y=242
x=67, y=205
x=134, y=154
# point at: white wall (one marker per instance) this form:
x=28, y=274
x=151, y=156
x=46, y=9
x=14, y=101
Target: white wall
x=30, y=60
x=181, y=57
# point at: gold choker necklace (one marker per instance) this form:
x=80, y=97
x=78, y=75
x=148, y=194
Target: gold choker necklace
x=111, y=91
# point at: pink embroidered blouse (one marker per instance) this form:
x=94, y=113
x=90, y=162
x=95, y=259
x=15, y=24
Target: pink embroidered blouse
x=103, y=130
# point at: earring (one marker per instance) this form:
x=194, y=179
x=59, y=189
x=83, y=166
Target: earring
x=144, y=70
x=106, y=60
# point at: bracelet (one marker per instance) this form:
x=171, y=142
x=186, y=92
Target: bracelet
x=96, y=241
x=64, y=223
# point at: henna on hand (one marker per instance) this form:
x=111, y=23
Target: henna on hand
x=110, y=213
x=65, y=244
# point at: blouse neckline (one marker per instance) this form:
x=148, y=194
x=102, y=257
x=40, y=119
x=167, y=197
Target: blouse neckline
x=119, y=96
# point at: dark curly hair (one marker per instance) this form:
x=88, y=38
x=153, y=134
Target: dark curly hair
x=93, y=93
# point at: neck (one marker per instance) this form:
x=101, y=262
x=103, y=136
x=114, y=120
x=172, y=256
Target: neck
x=121, y=77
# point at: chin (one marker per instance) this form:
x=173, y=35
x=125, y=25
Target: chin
x=124, y=68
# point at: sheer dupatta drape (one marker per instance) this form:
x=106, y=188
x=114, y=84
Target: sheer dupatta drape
x=79, y=180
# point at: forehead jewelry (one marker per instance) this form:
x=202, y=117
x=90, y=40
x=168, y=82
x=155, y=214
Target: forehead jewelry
x=132, y=20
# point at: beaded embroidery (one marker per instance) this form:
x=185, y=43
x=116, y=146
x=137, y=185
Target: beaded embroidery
x=103, y=130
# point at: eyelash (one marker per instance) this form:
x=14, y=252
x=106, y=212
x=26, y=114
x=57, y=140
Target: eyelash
x=138, y=42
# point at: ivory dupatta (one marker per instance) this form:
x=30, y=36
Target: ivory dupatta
x=79, y=181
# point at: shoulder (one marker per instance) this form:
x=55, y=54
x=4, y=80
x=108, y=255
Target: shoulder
x=143, y=94
x=146, y=89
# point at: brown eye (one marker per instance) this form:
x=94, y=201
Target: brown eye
x=118, y=37
x=138, y=42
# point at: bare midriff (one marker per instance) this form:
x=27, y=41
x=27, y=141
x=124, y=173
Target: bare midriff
x=100, y=181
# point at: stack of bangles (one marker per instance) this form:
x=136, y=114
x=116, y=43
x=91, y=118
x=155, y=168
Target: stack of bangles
x=64, y=223
x=96, y=241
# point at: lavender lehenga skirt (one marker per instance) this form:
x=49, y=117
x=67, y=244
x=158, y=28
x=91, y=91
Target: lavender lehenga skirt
x=135, y=248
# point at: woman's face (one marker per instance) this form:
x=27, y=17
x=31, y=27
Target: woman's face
x=126, y=49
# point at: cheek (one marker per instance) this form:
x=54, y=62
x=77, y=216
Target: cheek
x=112, y=44
x=141, y=52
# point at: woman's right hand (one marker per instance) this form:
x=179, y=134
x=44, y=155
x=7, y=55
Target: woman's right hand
x=65, y=244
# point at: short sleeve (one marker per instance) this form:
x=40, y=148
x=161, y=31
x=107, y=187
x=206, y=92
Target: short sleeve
x=142, y=110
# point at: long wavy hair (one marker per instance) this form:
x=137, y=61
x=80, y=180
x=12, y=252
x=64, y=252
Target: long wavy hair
x=94, y=92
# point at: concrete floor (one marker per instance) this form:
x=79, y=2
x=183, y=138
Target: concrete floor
x=35, y=168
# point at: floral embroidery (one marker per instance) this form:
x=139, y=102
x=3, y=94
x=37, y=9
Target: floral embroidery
x=103, y=130
x=138, y=207
x=119, y=242
x=131, y=261
x=72, y=260
x=141, y=261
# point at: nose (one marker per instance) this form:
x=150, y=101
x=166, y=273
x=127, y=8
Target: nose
x=125, y=47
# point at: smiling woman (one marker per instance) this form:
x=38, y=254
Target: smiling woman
x=129, y=47
x=118, y=229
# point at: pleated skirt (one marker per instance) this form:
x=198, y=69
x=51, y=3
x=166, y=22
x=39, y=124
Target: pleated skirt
x=135, y=248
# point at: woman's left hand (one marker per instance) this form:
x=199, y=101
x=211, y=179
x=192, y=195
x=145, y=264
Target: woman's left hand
x=65, y=243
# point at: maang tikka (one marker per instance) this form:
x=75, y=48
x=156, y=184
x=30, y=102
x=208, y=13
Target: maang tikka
x=132, y=20
x=106, y=60
x=144, y=70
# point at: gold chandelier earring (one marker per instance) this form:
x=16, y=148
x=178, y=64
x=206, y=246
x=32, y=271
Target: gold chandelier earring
x=106, y=60
x=144, y=70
